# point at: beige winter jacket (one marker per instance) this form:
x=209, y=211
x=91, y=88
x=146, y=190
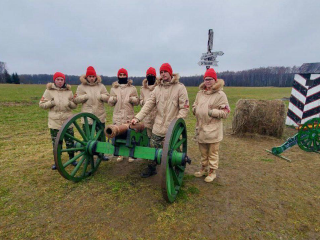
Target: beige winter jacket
x=123, y=97
x=60, y=103
x=92, y=96
x=210, y=106
x=145, y=93
x=171, y=101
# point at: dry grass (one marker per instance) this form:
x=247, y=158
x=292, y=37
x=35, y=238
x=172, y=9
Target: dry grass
x=256, y=195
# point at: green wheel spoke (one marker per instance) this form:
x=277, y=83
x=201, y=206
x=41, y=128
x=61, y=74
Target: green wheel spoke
x=75, y=170
x=181, y=169
x=93, y=128
x=85, y=166
x=176, y=179
x=98, y=135
x=177, y=135
x=92, y=162
x=178, y=144
x=72, y=149
x=86, y=126
x=83, y=135
x=74, y=138
x=72, y=159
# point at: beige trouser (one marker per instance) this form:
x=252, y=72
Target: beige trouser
x=209, y=154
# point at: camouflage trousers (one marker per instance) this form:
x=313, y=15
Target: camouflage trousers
x=69, y=142
x=156, y=142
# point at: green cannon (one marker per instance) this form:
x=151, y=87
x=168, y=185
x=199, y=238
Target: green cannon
x=90, y=144
x=307, y=138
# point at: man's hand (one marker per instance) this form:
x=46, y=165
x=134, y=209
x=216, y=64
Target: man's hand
x=134, y=121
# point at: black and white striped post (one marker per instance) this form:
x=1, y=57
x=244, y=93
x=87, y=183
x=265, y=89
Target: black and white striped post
x=305, y=95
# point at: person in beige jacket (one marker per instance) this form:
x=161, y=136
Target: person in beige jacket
x=170, y=98
x=58, y=98
x=92, y=94
x=148, y=85
x=210, y=107
x=123, y=96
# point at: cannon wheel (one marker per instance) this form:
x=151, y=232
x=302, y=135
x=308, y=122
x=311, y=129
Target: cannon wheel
x=309, y=136
x=171, y=178
x=83, y=135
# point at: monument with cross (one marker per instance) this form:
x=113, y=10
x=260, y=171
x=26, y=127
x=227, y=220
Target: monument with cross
x=209, y=58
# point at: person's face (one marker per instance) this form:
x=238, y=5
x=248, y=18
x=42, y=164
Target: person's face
x=209, y=81
x=122, y=75
x=91, y=78
x=59, y=81
x=165, y=76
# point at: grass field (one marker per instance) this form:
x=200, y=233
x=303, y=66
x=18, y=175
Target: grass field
x=255, y=196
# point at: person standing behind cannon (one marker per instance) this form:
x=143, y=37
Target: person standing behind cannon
x=92, y=94
x=58, y=98
x=211, y=105
x=148, y=85
x=170, y=98
x=123, y=96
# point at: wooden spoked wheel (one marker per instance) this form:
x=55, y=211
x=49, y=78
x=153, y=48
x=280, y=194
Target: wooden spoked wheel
x=309, y=136
x=172, y=174
x=87, y=130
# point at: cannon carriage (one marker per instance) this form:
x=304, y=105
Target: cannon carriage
x=126, y=140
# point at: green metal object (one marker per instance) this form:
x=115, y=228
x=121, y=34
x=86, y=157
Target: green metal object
x=84, y=141
x=308, y=139
x=174, y=159
x=90, y=145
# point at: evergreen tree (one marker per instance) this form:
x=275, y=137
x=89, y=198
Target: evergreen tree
x=15, y=78
x=7, y=76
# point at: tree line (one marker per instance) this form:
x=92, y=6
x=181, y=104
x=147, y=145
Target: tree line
x=5, y=77
x=258, y=77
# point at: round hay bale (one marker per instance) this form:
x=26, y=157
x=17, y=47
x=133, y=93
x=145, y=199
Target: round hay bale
x=265, y=117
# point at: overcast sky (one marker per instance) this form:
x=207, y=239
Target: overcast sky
x=39, y=36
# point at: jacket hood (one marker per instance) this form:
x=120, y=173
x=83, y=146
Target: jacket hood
x=52, y=86
x=174, y=80
x=84, y=81
x=116, y=84
x=214, y=88
x=145, y=84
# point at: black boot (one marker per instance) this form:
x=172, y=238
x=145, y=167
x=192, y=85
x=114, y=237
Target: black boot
x=149, y=171
x=54, y=167
x=104, y=158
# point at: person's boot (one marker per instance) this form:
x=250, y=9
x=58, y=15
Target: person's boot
x=202, y=172
x=149, y=171
x=120, y=158
x=104, y=158
x=130, y=159
x=211, y=175
x=54, y=167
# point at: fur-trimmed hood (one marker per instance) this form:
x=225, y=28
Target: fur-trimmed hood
x=52, y=86
x=174, y=80
x=116, y=84
x=214, y=88
x=145, y=84
x=84, y=81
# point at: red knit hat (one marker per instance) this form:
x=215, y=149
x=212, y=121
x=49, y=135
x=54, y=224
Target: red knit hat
x=91, y=72
x=122, y=70
x=151, y=71
x=166, y=67
x=59, y=74
x=210, y=73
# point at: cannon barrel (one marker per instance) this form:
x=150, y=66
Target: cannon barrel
x=112, y=131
